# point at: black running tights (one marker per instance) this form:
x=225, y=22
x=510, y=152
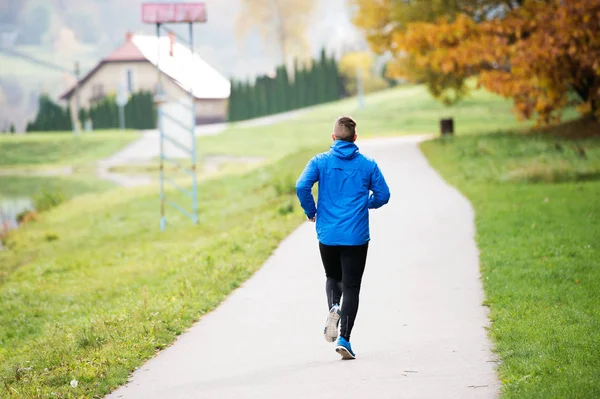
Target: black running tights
x=344, y=268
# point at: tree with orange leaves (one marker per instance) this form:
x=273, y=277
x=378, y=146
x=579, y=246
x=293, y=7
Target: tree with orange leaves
x=540, y=53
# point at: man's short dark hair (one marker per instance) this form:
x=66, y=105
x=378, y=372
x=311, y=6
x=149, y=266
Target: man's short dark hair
x=345, y=128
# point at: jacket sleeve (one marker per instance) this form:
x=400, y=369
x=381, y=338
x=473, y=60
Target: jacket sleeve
x=304, y=188
x=380, y=194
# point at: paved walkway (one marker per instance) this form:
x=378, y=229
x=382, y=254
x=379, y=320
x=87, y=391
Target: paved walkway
x=420, y=328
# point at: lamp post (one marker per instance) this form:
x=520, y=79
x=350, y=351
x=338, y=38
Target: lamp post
x=121, y=101
x=359, y=88
x=76, y=127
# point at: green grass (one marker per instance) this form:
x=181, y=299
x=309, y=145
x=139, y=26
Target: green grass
x=71, y=186
x=537, y=204
x=94, y=288
x=37, y=150
x=402, y=110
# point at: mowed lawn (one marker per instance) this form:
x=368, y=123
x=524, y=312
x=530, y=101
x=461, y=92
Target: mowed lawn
x=93, y=289
x=67, y=186
x=51, y=149
x=398, y=111
x=537, y=204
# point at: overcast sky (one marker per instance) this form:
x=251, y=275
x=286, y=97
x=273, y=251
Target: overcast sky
x=217, y=44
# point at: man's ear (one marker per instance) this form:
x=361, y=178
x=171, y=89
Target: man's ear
x=355, y=137
x=333, y=136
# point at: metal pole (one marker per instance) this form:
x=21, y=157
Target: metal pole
x=360, y=89
x=76, y=128
x=163, y=221
x=195, y=177
x=122, y=117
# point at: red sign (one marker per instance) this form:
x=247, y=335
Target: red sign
x=162, y=13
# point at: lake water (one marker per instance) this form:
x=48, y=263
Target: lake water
x=10, y=208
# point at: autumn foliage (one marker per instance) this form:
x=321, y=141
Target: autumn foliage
x=543, y=54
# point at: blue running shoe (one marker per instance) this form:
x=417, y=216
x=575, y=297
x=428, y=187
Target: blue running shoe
x=343, y=348
x=331, y=325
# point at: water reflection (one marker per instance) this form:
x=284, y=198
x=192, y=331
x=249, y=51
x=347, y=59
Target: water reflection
x=9, y=209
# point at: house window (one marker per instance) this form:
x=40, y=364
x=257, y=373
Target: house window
x=130, y=80
x=97, y=92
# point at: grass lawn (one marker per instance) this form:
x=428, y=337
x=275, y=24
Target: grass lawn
x=69, y=186
x=402, y=110
x=94, y=288
x=34, y=150
x=537, y=205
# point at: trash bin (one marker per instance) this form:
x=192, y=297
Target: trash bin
x=447, y=126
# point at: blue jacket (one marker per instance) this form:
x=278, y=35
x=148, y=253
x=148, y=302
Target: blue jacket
x=349, y=185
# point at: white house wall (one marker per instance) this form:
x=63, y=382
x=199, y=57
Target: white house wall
x=114, y=74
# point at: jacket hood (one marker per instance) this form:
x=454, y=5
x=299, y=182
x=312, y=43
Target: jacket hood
x=344, y=149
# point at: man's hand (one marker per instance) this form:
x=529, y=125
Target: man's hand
x=314, y=218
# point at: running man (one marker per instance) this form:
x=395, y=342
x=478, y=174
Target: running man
x=349, y=185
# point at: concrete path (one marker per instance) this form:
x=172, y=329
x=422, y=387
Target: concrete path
x=420, y=331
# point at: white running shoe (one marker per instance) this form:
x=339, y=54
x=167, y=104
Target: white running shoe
x=331, y=325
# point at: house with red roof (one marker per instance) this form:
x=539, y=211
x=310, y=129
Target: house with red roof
x=137, y=65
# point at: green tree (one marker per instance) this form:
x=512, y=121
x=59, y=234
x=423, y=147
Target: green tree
x=244, y=102
x=322, y=78
x=83, y=115
x=66, y=121
x=282, y=88
x=300, y=83
x=232, y=109
x=260, y=97
x=140, y=112
x=239, y=106
x=50, y=116
x=251, y=99
x=105, y=113
x=312, y=83
x=274, y=101
x=271, y=91
x=291, y=89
